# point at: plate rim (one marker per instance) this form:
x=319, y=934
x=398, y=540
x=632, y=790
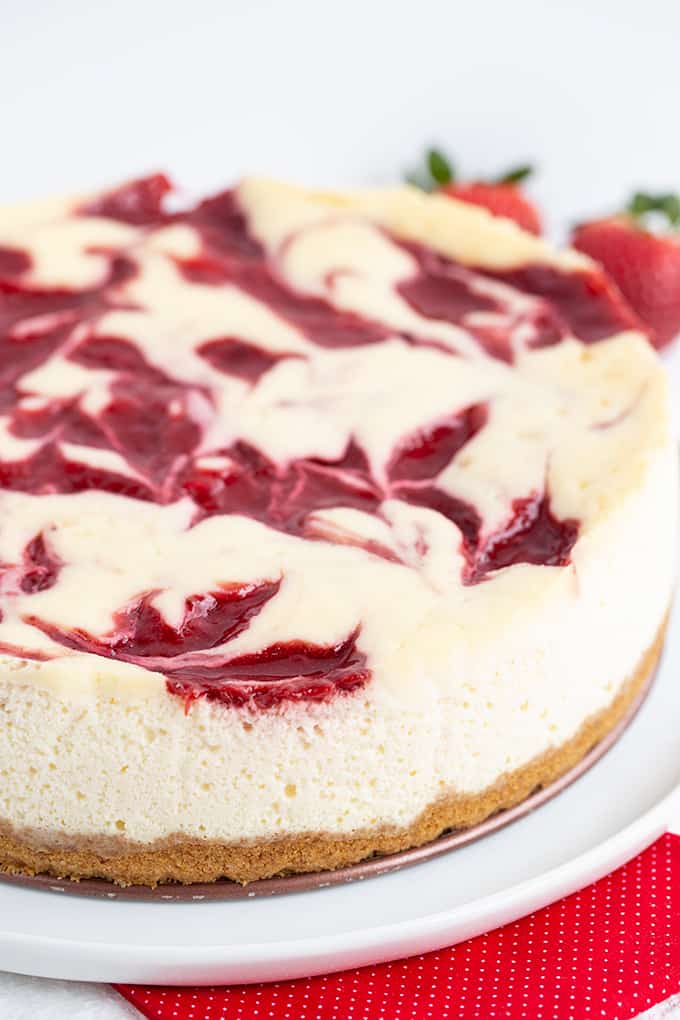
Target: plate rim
x=538, y=891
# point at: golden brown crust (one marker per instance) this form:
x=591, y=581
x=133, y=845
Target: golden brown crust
x=185, y=860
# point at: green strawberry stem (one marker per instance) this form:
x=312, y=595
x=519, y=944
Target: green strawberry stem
x=643, y=203
x=517, y=174
x=440, y=167
x=437, y=170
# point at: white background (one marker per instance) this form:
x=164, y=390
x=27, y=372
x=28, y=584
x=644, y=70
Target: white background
x=333, y=93
x=341, y=92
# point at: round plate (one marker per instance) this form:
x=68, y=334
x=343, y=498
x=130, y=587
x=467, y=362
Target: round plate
x=623, y=802
x=382, y=865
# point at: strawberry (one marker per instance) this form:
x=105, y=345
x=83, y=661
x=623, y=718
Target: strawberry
x=502, y=197
x=645, y=264
x=501, y=200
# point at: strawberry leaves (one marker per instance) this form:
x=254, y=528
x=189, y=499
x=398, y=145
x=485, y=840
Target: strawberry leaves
x=516, y=175
x=437, y=170
x=666, y=204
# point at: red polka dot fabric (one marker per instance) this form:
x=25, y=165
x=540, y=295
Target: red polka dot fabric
x=610, y=951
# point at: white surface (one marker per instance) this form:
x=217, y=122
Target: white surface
x=340, y=93
x=24, y=998
x=663, y=1011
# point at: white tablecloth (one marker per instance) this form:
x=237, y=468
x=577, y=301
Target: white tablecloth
x=25, y=998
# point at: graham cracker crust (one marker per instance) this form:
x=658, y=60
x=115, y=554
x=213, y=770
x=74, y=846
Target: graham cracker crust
x=181, y=859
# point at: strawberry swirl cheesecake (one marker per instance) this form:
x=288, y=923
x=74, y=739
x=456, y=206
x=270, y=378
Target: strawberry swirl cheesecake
x=328, y=522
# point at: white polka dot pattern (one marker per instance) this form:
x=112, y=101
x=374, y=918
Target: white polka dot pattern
x=609, y=951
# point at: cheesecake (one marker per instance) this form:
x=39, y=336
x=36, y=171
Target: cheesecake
x=329, y=522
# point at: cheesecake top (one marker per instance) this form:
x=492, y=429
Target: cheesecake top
x=281, y=444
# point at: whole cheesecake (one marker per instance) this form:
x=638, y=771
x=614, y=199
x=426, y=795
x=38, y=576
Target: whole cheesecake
x=328, y=522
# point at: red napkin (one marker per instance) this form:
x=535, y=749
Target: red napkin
x=609, y=951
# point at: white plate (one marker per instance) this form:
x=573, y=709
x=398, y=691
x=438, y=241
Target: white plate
x=621, y=805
